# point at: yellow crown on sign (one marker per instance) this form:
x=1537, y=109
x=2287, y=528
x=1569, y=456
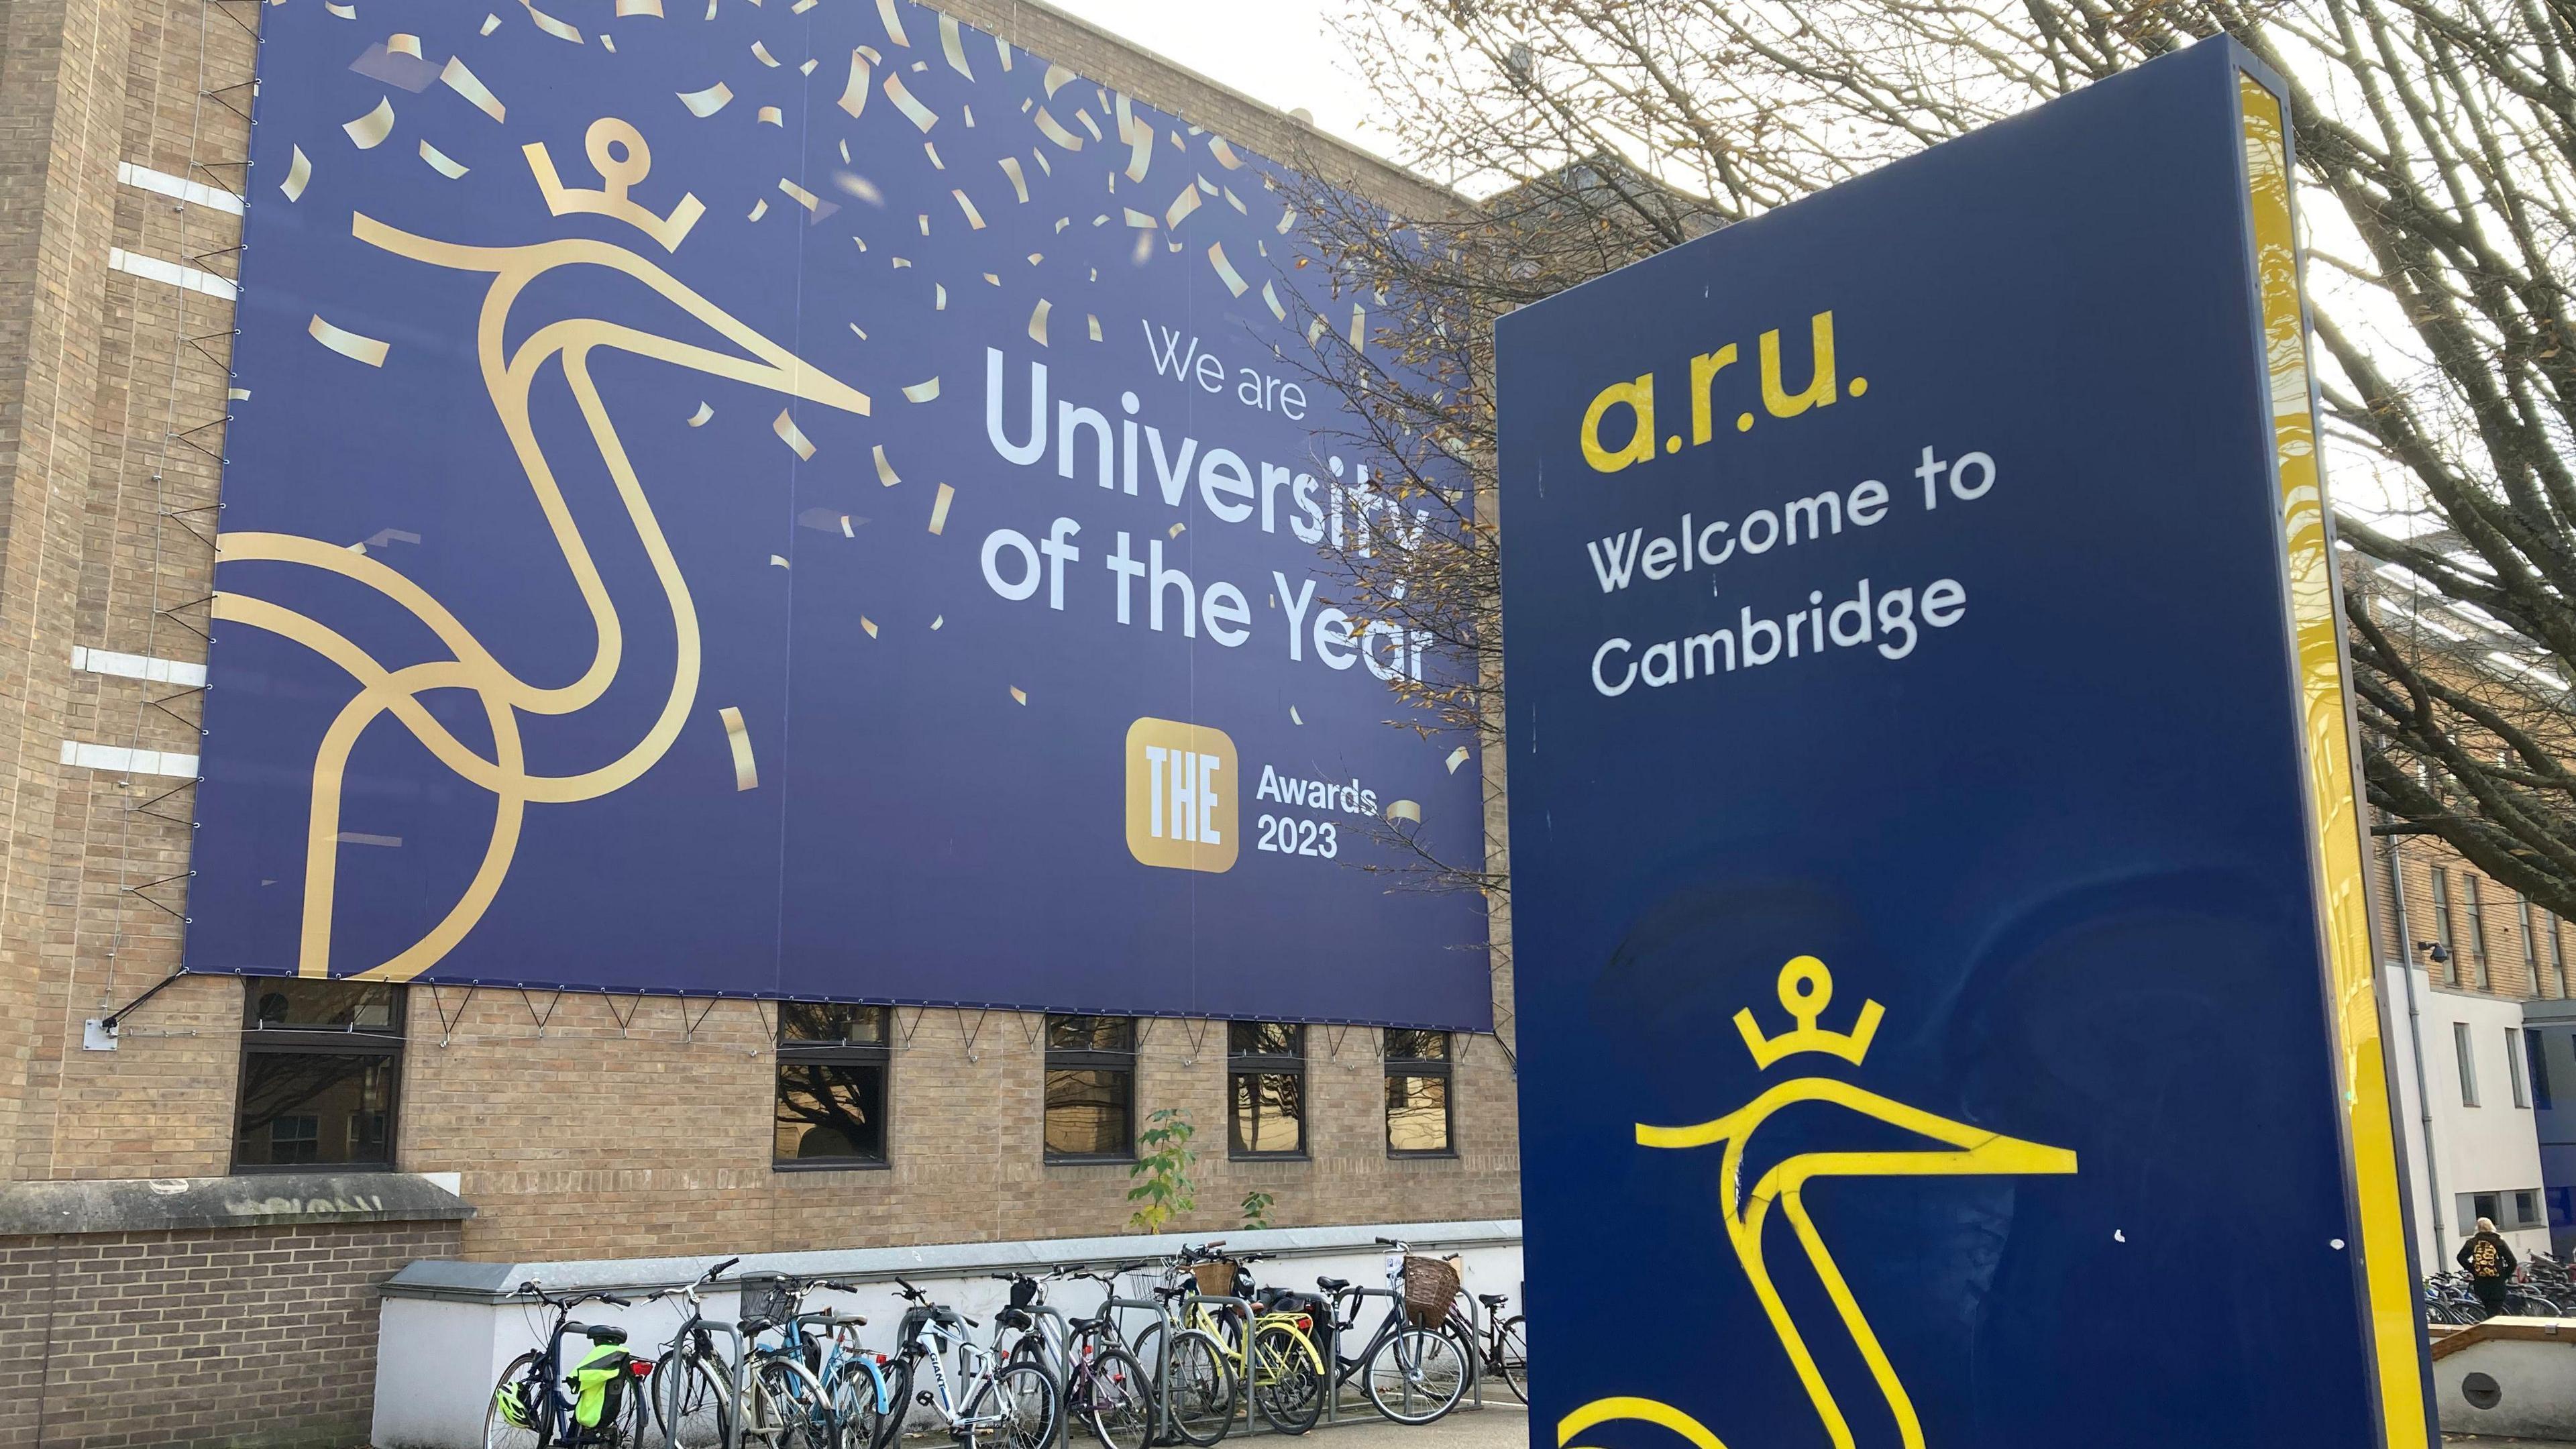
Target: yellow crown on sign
x=1806, y=989
x=617, y=149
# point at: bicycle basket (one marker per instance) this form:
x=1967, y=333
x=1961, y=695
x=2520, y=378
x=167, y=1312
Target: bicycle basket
x=1217, y=1277
x=1430, y=1286
x=768, y=1296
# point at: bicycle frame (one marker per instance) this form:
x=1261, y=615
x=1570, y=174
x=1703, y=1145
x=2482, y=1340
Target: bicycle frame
x=561, y=1401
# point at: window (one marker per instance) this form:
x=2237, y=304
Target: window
x=2535, y=1049
x=2530, y=942
x=2478, y=931
x=2476, y=1205
x=2513, y=1066
x=1417, y=1094
x=1266, y=1089
x=833, y=1061
x=2558, y=952
x=321, y=1065
x=2442, y=932
x=1090, y=1088
x=2526, y=1208
x=2468, y=1063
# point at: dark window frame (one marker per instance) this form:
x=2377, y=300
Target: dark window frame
x=847, y=1052
x=2444, y=928
x=1257, y=1064
x=1089, y=1059
x=2478, y=934
x=264, y=1039
x=1445, y=1067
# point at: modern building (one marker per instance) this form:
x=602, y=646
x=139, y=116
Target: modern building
x=213, y=1176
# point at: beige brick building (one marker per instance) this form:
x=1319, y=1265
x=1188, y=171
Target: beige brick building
x=573, y=1126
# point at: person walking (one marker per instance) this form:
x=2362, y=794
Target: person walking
x=2489, y=1262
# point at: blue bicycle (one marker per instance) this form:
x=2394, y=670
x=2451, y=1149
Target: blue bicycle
x=594, y=1400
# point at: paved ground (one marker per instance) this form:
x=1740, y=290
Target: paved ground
x=1496, y=1426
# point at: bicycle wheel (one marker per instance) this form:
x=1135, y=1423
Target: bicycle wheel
x=1201, y=1388
x=1023, y=1402
x=692, y=1403
x=1287, y=1378
x=860, y=1403
x=788, y=1408
x=898, y=1383
x=1117, y=1400
x=519, y=1411
x=1417, y=1376
x=1511, y=1357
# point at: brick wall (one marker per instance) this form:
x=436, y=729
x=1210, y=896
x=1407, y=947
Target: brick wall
x=613, y=1128
x=208, y=1337
x=2511, y=966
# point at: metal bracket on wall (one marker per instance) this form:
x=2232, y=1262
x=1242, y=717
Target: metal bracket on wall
x=179, y=516
x=1198, y=1039
x=628, y=1019
x=447, y=1023
x=690, y=1024
x=223, y=95
x=969, y=1038
x=905, y=1034
x=530, y=1003
x=106, y=1025
x=138, y=890
x=145, y=807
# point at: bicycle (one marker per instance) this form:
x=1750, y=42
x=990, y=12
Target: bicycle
x=791, y=1405
x=1194, y=1386
x=1010, y=1404
x=1413, y=1374
x=1105, y=1384
x=693, y=1385
x=1277, y=1363
x=540, y=1402
x=1501, y=1350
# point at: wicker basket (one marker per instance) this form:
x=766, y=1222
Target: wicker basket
x=1217, y=1278
x=1430, y=1287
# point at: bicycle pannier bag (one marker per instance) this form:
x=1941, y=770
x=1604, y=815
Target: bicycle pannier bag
x=599, y=1383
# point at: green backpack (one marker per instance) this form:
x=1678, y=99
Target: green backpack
x=599, y=1381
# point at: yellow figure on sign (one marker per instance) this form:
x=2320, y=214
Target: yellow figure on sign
x=509, y=375
x=1806, y=991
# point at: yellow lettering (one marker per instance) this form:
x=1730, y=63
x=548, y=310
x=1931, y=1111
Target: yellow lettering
x=1820, y=385
x=1640, y=448
x=1704, y=370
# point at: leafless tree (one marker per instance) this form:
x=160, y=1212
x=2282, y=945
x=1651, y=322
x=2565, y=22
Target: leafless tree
x=2437, y=141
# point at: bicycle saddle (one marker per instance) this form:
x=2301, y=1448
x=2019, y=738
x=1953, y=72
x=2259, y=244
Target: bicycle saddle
x=1332, y=1285
x=1493, y=1300
x=1013, y=1318
x=1090, y=1325
x=597, y=1332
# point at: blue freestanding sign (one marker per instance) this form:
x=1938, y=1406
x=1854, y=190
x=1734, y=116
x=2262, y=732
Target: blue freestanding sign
x=803, y=500
x=1942, y=950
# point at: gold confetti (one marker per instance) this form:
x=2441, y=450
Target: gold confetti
x=1054, y=131
x=939, y=510
x=1044, y=164
x=788, y=433
x=298, y=172
x=491, y=23
x=639, y=7
x=771, y=116
x=699, y=418
x=845, y=527
x=995, y=280
x=893, y=22
x=800, y=7
x=778, y=562
x=401, y=44
x=1036, y=257
x=1056, y=77
x=939, y=299
x=439, y=161
x=922, y=392
x=1359, y=327
x=931, y=150
x=1019, y=694
x=348, y=344
x=913, y=110
x=1227, y=274
x=966, y=204
x=746, y=774
x=549, y=24
x=1314, y=331
x=1404, y=810
x=1140, y=153
x=1294, y=717
x=1236, y=202
x=705, y=103
x=1038, y=322
x=854, y=96
x=759, y=209
x=902, y=262
x=953, y=46
x=1457, y=757
x=1088, y=124
x=868, y=624
x=808, y=67
x=465, y=83
x=370, y=130
x=970, y=115
x=1095, y=327
x=1224, y=154
x=238, y=394
x=1271, y=297
x=885, y=470
x=860, y=187
x=1181, y=207
x=1141, y=219
x=924, y=219
x=1002, y=48
x=1176, y=530
x=845, y=152
x=942, y=619
x=1207, y=186
x=760, y=52
x=1287, y=219
x=345, y=12
x=799, y=194
x=1019, y=179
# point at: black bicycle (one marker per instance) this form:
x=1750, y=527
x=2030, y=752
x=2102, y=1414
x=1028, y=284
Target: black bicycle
x=594, y=1399
x=1413, y=1373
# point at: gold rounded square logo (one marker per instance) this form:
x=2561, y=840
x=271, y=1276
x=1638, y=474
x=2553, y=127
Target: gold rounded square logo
x=1180, y=795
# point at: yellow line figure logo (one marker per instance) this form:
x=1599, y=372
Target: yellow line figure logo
x=509, y=375
x=1806, y=990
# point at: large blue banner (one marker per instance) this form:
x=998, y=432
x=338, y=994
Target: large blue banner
x=1936, y=862
x=798, y=500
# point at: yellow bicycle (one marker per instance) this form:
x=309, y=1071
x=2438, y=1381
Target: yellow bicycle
x=1278, y=1360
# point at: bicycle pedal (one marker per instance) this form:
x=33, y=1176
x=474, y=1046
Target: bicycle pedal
x=922, y=1398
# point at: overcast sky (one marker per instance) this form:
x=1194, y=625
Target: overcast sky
x=1276, y=52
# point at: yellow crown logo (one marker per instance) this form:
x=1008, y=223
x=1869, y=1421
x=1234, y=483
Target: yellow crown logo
x=1806, y=989
x=618, y=151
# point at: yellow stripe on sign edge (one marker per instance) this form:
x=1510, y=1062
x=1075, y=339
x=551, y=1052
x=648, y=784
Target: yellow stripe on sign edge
x=2326, y=742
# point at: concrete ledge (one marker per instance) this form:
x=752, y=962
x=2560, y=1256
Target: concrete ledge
x=2493, y=1330
x=171, y=1204
x=499, y=1282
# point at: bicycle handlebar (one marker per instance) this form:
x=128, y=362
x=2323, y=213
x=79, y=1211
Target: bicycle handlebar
x=713, y=1273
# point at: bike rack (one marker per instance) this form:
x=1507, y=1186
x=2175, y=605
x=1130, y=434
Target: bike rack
x=1064, y=1334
